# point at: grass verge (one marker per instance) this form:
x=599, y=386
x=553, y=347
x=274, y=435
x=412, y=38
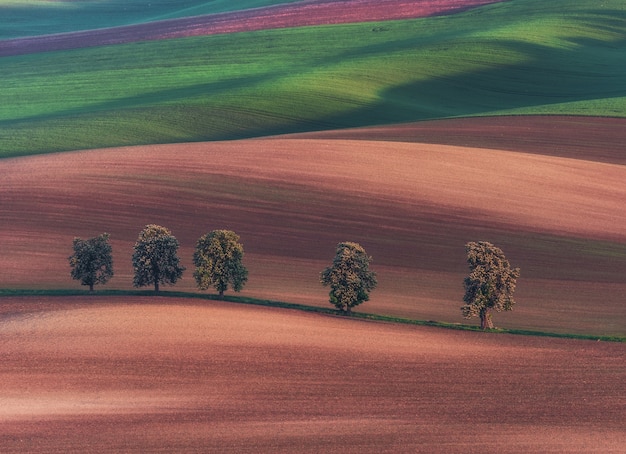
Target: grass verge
x=304, y=308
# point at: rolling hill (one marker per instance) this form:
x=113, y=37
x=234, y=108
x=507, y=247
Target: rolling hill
x=517, y=57
x=24, y=18
x=412, y=206
x=548, y=189
x=151, y=374
x=411, y=127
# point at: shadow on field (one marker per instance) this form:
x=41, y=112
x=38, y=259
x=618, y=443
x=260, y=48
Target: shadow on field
x=544, y=78
x=539, y=81
x=149, y=99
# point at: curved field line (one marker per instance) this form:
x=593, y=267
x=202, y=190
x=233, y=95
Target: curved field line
x=598, y=139
x=312, y=12
x=412, y=206
x=180, y=376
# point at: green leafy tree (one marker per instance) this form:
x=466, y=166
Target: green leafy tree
x=490, y=284
x=349, y=278
x=218, y=260
x=92, y=262
x=155, y=259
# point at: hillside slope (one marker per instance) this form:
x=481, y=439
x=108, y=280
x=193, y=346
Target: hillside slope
x=518, y=57
x=166, y=375
x=21, y=18
x=412, y=206
x=597, y=139
x=241, y=19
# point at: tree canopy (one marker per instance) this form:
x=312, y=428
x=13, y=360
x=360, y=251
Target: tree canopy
x=349, y=277
x=219, y=262
x=490, y=284
x=155, y=258
x=92, y=261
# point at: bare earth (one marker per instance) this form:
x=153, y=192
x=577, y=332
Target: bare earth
x=412, y=206
x=588, y=138
x=310, y=12
x=119, y=374
x=93, y=374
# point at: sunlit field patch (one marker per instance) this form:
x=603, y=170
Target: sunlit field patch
x=192, y=375
x=291, y=201
x=239, y=85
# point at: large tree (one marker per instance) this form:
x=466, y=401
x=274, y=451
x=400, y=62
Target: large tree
x=490, y=284
x=219, y=262
x=155, y=259
x=349, y=277
x=92, y=262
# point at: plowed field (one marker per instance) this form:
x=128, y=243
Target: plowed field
x=155, y=374
x=92, y=374
x=412, y=206
x=587, y=138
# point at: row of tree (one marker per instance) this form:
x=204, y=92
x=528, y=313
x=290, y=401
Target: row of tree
x=218, y=260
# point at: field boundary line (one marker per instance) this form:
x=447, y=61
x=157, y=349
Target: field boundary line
x=364, y=316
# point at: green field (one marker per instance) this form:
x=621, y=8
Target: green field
x=21, y=18
x=517, y=57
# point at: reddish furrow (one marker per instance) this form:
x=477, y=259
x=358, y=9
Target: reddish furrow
x=305, y=13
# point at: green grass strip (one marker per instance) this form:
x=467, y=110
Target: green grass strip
x=304, y=308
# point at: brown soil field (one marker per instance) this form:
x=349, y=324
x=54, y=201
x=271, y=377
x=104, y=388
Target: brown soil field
x=309, y=12
x=118, y=374
x=412, y=206
x=589, y=138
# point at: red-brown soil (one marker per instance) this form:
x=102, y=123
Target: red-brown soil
x=93, y=374
x=309, y=12
x=590, y=138
x=412, y=206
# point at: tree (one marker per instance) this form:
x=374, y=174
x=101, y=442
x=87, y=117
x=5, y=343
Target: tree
x=490, y=284
x=218, y=260
x=349, y=277
x=155, y=260
x=92, y=262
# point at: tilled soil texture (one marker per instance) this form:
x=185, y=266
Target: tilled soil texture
x=311, y=12
x=146, y=374
x=589, y=138
x=412, y=206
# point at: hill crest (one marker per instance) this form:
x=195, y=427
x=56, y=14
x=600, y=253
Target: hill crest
x=286, y=15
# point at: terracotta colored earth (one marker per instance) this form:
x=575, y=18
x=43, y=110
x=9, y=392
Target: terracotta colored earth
x=590, y=138
x=412, y=206
x=310, y=12
x=94, y=374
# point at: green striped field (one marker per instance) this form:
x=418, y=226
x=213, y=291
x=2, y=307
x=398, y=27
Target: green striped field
x=517, y=57
x=39, y=17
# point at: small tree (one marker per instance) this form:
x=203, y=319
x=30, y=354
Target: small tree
x=218, y=260
x=349, y=277
x=490, y=284
x=155, y=260
x=92, y=262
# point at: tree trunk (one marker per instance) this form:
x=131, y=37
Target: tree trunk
x=221, y=296
x=157, y=277
x=485, y=320
x=348, y=310
x=90, y=288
